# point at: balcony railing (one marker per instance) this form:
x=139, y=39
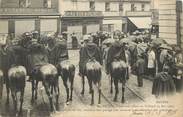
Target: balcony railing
x=12, y=11
x=83, y=14
x=138, y=13
x=113, y=13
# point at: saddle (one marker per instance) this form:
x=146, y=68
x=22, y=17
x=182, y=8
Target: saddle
x=118, y=64
x=92, y=64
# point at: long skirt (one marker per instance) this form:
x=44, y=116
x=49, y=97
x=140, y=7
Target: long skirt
x=163, y=87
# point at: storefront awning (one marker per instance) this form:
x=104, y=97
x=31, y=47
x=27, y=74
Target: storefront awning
x=141, y=22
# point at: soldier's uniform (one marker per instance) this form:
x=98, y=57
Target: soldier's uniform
x=116, y=52
x=88, y=51
x=58, y=52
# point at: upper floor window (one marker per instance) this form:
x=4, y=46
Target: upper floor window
x=24, y=3
x=47, y=3
x=120, y=6
x=107, y=6
x=133, y=8
x=143, y=7
x=92, y=5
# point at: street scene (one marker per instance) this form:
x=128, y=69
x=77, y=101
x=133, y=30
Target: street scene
x=60, y=56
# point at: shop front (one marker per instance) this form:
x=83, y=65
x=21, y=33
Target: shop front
x=79, y=23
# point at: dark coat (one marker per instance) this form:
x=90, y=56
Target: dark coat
x=58, y=53
x=18, y=55
x=37, y=56
x=4, y=61
x=89, y=51
x=117, y=52
x=140, y=66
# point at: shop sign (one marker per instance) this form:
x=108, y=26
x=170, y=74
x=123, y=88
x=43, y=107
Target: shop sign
x=83, y=14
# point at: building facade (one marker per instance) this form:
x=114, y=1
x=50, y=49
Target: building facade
x=86, y=16
x=19, y=16
x=168, y=21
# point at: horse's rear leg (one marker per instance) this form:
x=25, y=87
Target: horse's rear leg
x=36, y=88
x=83, y=85
x=57, y=92
x=50, y=96
x=91, y=91
x=67, y=91
x=21, y=101
x=14, y=97
x=1, y=88
x=123, y=91
x=71, y=88
x=8, y=91
x=116, y=89
x=111, y=91
x=99, y=90
x=33, y=89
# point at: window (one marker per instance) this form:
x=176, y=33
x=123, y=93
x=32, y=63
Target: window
x=47, y=3
x=143, y=7
x=120, y=6
x=133, y=7
x=107, y=6
x=92, y=5
x=24, y=3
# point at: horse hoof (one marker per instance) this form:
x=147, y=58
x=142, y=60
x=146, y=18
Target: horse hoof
x=99, y=105
x=7, y=102
x=123, y=101
x=111, y=92
x=32, y=101
x=90, y=92
x=67, y=103
x=82, y=92
x=115, y=100
x=92, y=104
x=70, y=99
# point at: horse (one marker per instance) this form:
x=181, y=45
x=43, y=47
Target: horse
x=17, y=81
x=48, y=74
x=67, y=71
x=118, y=73
x=93, y=74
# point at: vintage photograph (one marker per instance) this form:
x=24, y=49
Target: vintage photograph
x=91, y=58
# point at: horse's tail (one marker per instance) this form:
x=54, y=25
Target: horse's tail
x=49, y=71
x=118, y=69
x=93, y=71
x=67, y=69
x=17, y=76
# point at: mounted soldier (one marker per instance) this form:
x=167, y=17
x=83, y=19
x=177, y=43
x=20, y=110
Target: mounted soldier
x=90, y=65
x=57, y=49
x=36, y=58
x=117, y=67
x=4, y=63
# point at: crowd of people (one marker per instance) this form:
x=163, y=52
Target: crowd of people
x=145, y=57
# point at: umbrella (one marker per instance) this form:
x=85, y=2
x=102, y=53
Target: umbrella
x=108, y=41
x=125, y=40
x=132, y=38
x=165, y=46
x=141, y=48
x=158, y=41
